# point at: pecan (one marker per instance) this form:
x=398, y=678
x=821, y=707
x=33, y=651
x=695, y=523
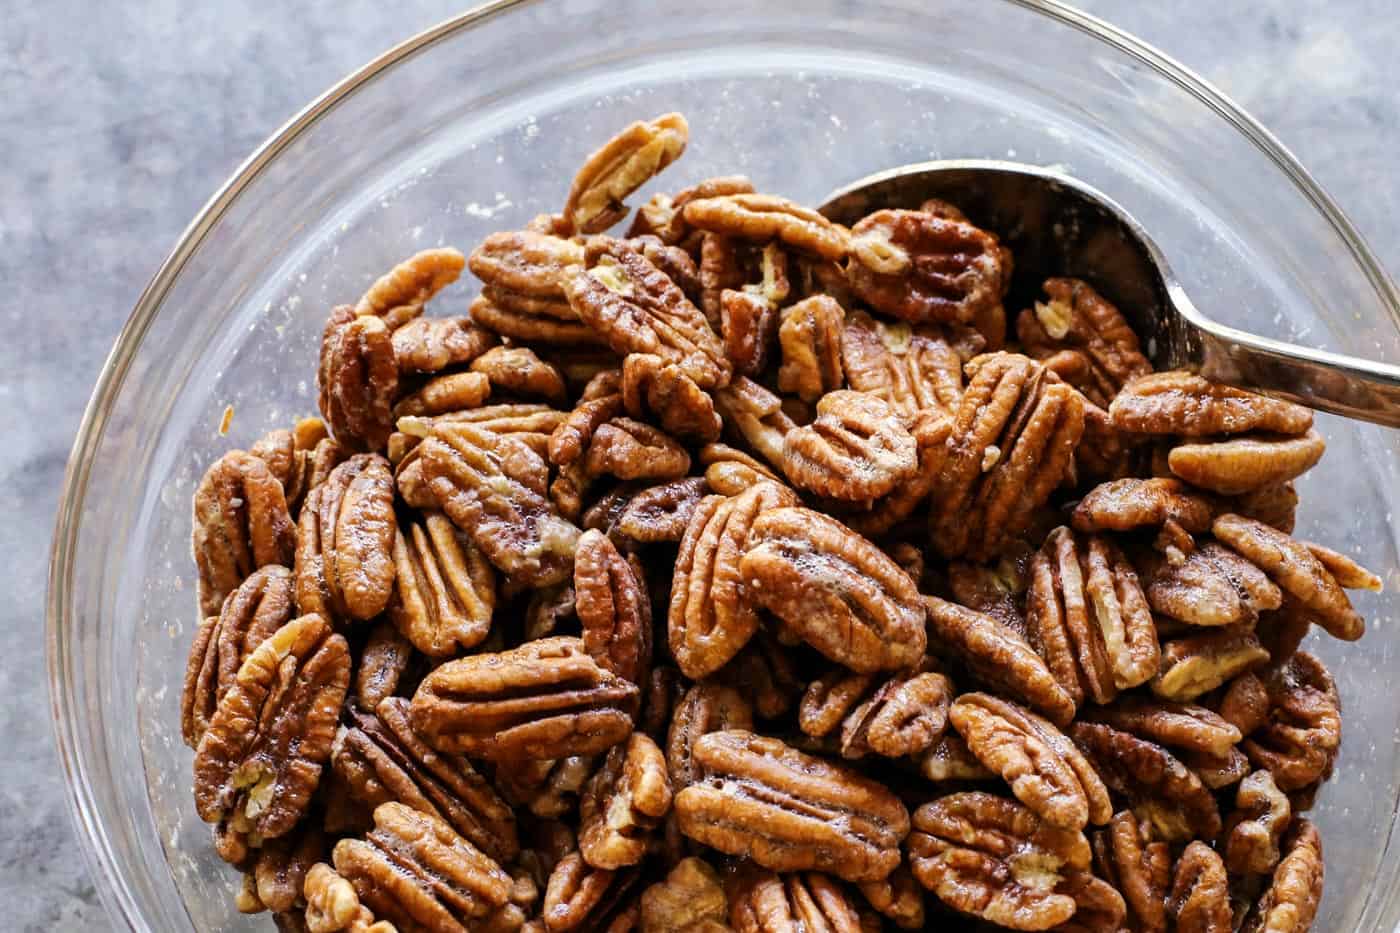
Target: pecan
x=930, y=430
x=1299, y=739
x=398, y=296
x=1139, y=868
x=1217, y=771
x=810, y=336
x=636, y=308
x=613, y=608
x=663, y=216
x=1012, y=443
x=276, y=879
x=601, y=402
x=1178, y=725
x=1256, y=827
x=1297, y=570
x=579, y=894
x=622, y=803
x=995, y=590
x=899, y=898
x=725, y=265
x=949, y=759
x=1199, y=900
x=358, y=379
x=443, y=394
x=445, y=592
x=1241, y=464
x=1273, y=505
x=856, y=450
x=1347, y=572
x=1186, y=404
x=661, y=513
x=623, y=164
x=1211, y=586
x=788, y=811
x=383, y=662
x=1198, y=664
x=765, y=671
x=1290, y=903
x=631, y=449
x=525, y=262
x=903, y=715
x=1042, y=767
x=332, y=905
x=1126, y=504
x=690, y=899
x=705, y=708
x=835, y=589
x=431, y=345
x=998, y=657
x=651, y=385
x=518, y=371
x=763, y=902
x=1245, y=703
x=711, y=616
x=492, y=489
x=756, y=415
x=1078, y=320
x=545, y=699
x=344, y=557
x=414, y=871
x=550, y=788
x=995, y=859
x=241, y=523
x=259, y=761
x=536, y=320
x=1088, y=617
x=729, y=471
x=381, y=758
x=531, y=423
x=912, y=368
x=301, y=459
x=1162, y=790
x=256, y=609
x=764, y=217
x=748, y=324
x=1097, y=904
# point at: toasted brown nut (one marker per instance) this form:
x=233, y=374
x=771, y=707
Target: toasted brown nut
x=903, y=715
x=810, y=335
x=1178, y=725
x=358, y=379
x=259, y=761
x=332, y=905
x=1241, y=464
x=763, y=217
x=949, y=759
x=1254, y=831
x=729, y=471
x=834, y=588
x=1197, y=664
x=549, y=788
x=540, y=321
x=1245, y=703
x=1077, y=320
x=1162, y=790
x=856, y=450
x=241, y=523
x=545, y=699
x=445, y=589
x=1199, y=900
x=1139, y=868
x=996, y=590
x=912, y=368
x=705, y=708
x=383, y=662
x=399, y=295
x=1217, y=771
x=920, y=268
x=525, y=262
x=430, y=345
x=1186, y=404
x=1210, y=586
x=995, y=859
x=663, y=390
x=661, y=513
x=764, y=670
x=1290, y=903
x=663, y=215
x=930, y=430
x=756, y=415
x=711, y=617
x=279, y=871
x=444, y=394
x=744, y=804
x=299, y=459
x=690, y=899
x=614, y=609
x=623, y=803
x=899, y=898
x=623, y=164
x=631, y=450
x=763, y=902
x=260, y=606
x=998, y=657
x=1126, y=504
x=1347, y=572
x=518, y=371
x=601, y=402
x=726, y=263
x=344, y=558
x=579, y=894
x=1298, y=741
x=748, y=324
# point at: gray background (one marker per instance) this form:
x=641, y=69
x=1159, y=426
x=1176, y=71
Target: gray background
x=117, y=121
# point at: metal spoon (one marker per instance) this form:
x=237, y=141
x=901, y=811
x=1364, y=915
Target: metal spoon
x=1058, y=225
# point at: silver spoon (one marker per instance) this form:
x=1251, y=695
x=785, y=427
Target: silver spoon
x=1058, y=225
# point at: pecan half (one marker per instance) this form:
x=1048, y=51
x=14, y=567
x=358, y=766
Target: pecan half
x=1199, y=900
x=690, y=899
x=1186, y=404
x=525, y=262
x=383, y=662
x=810, y=335
x=661, y=513
x=600, y=402
x=748, y=324
x=995, y=859
x=903, y=715
x=301, y=459
x=545, y=699
x=764, y=902
x=950, y=760
x=899, y=898
x=856, y=450
x=546, y=321
x=358, y=379
x=1078, y=320
x=345, y=543
x=1255, y=829
x=332, y=905
x=260, y=759
x=241, y=523
x=431, y=345
x=1290, y=903
x=912, y=368
x=1298, y=741
x=631, y=449
x=764, y=217
x=279, y=873
x=1138, y=867
x=445, y=590
x=443, y=394
x=919, y=267
x=623, y=164
x=756, y=415
x=518, y=371
x=729, y=471
x=1127, y=504
x=613, y=608
x=842, y=594
x=788, y=811
x=663, y=216
x=705, y=708
x=652, y=386
x=1210, y=586
x=996, y=590
x=764, y=670
x=623, y=803
x=1197, y=664
x=578, y=894
x=398, y=296
x=1242, y=464
x=1178, y=725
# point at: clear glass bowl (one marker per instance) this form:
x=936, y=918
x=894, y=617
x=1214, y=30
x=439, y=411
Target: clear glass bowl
x=478, y=125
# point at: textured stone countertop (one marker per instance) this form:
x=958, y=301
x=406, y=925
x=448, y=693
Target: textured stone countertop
x=118, y=120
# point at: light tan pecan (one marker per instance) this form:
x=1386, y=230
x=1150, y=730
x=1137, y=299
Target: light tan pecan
x=1298, y=571
x=345, y=542
x=518, y=371
x=259, y=761
x=1139, y=868
x=763, y=902
x=1012, y=443
x=764, y=217
x=923, y=268
x=1078, y=320
x=1197, y=664
x=414, y=871
x=1088, y=618
x=690, y=899
x=539, y=321
x=1127, y=504
x=949, y=759
x=1162, y=790
x=358, y=379
x=746, y=803
x=1199, y=899
x=995, y=859
x=1255, y=829
x=491, y=486
x=623, y=803
x=1347, y=572
x=1290, y=903
x=912, y=368
x=381, y=758
x=445, y=591
x=1040, y=765
x=383, y=663
x=581, y=896
x=431, y=345
x=525, y=262
x=998, y=657
x=661, y=513
x=613, y=607
x=1211, y=586
x=636, y=308
x=623, y=164
x=899, y=898
x=1299, y=739
x=530, y=422
x=333, y=906
x=711, y=615
x=443, y=394
x=630, y=449
x=902, y=715
x=835, y=589
x=301, y=459
x=260, y=606
x=1189, y=405
x=398, y=296
x=810, y=335
x=1242, y=464
x=652, y=386
x=663, y=215
x=1178, y=725
x=241, y=523
x=545, y=699
x=755, y=414
x=856, y=450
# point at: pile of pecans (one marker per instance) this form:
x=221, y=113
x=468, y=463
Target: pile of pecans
x=744, y=572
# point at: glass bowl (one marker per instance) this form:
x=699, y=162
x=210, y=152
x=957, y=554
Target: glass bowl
x=477, y=125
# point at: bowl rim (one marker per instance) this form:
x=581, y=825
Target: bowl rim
x=93, y=842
